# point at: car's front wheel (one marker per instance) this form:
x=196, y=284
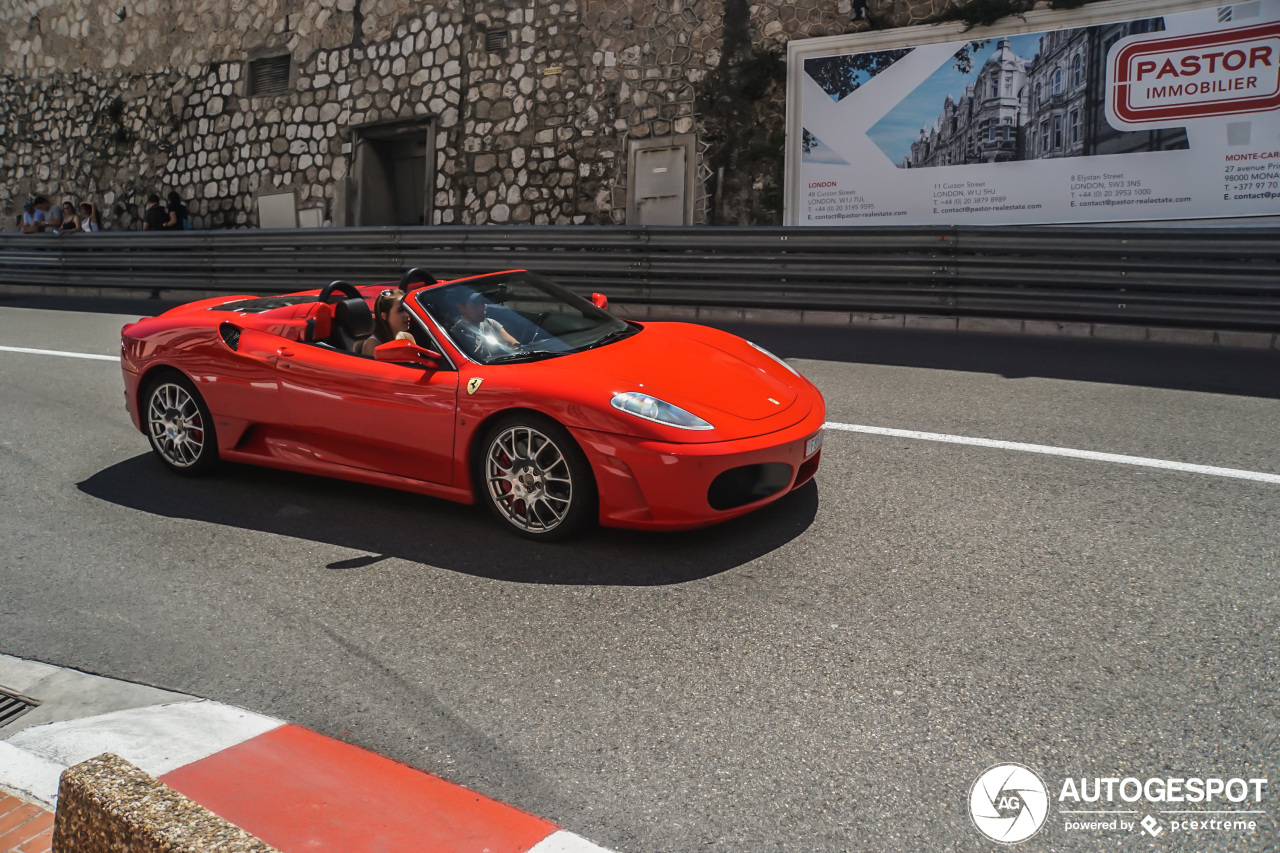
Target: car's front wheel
x=179, y=426
x=535, y=478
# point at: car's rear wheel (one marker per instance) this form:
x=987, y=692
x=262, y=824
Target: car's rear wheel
x=179, y=426
x=535, y=478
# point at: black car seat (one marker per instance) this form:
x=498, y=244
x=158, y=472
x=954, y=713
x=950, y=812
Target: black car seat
x=352, y=323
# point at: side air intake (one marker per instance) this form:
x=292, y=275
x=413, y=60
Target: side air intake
x=230, y=335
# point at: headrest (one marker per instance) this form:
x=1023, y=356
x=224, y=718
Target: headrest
x=354, y=316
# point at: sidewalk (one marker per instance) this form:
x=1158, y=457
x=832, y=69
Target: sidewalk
x=24, y=827
x=294, y=789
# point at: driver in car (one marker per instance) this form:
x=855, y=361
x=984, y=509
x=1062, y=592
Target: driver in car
x=483, y=336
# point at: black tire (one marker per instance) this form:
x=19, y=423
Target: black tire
x=179, y=426
x=534, y=478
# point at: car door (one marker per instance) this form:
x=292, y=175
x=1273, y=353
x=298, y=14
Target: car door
x=239, y=383
x=374, y=415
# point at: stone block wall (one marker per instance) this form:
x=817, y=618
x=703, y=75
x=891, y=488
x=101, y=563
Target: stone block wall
x=93, y=105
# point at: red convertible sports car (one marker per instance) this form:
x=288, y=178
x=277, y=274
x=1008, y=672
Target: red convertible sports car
x=507, y=389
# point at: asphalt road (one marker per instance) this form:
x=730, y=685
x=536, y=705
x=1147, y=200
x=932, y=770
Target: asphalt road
x=829, y=674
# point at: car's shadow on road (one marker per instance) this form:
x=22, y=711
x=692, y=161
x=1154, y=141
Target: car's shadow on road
x=385, y=523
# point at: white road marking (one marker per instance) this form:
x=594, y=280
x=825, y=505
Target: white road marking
x=1049, y=450
x=87, y=355
x=566, y=842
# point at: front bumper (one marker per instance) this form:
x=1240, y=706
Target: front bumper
x=131, y=406
x=653, y=485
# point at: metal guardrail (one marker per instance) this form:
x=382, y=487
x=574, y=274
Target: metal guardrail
x=1223, y=278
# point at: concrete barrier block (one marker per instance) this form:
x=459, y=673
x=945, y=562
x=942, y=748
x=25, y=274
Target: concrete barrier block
x=63, y=290
x=930, y=322
x=193, y=295
x=20, y=289
x=629, y=311
x=1056, y=328
x=1194, y=337
x=1114, y=332
x=990, y=325
x=1246, y=340
x=772, y=315
x=716, y=314
x=681, y=313
x=106, y=805
x=826, y=318
x=866, y=319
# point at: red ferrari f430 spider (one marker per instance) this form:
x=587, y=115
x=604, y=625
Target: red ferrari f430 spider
x=506, y=389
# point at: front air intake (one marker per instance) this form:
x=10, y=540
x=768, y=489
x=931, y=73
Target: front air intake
x=748, y=484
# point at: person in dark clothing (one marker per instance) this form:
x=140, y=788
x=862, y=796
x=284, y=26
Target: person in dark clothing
x=177, y=214
x=156, y=216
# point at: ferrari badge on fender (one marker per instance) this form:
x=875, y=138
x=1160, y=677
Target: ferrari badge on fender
x=473, y=384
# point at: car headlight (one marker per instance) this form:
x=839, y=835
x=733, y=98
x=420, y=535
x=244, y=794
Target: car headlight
x=775, y=358
x=658, y=411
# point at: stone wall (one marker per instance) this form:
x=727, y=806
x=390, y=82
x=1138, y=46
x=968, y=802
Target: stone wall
x=111, y=108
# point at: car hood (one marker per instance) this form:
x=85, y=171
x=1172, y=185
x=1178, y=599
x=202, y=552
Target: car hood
x=693, y=367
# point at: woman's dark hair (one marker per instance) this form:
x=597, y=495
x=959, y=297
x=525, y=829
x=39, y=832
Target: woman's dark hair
x=385, y=304
x=174, y=199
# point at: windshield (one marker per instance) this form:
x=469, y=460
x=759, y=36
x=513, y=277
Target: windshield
x=518, y=316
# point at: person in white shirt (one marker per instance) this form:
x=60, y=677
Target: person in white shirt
x=89, y=221
x=482, y=336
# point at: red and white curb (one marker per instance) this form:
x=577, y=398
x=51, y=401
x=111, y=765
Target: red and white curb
x=293, y=788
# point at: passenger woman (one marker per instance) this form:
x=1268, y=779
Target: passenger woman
x=391, y=320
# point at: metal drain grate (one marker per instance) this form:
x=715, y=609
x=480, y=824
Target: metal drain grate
x=13, y=706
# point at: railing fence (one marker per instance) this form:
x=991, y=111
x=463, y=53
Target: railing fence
x=1223, y=278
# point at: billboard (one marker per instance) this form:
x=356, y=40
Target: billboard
x=1123, y=111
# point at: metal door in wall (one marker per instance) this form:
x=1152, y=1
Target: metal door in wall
x=660, y=180
x=661, y=187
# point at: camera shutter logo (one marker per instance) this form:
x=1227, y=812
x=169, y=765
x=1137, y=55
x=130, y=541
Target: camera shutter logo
x=1008, y=803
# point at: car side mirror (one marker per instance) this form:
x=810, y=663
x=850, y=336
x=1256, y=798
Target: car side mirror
x=600, y=301
x=407, y=352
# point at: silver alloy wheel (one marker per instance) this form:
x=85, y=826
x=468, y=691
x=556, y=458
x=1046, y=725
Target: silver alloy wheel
x=529, y=479
x=177, y=428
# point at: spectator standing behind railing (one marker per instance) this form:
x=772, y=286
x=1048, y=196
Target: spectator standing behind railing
x=27, y=225
x=89, y=221
x=53, y=215
x=36, y=219
x=155, y=216
x=70, y=225
x=178, y=214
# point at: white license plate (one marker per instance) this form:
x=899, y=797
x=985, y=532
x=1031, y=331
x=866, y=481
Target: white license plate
x=811, y=446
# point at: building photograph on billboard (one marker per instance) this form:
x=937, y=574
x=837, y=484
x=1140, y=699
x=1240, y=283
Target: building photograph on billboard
x=1122, y=116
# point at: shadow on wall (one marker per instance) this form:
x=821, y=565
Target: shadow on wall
x=386, y=523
